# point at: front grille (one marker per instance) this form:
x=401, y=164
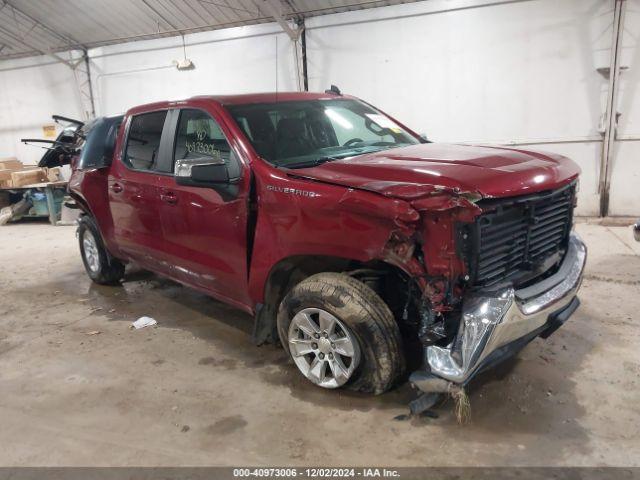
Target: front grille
x=519, y=238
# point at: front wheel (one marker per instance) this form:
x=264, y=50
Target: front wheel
x=339, y=333
x=101, y=267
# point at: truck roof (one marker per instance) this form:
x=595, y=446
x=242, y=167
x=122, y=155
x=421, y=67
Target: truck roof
x=267, y=97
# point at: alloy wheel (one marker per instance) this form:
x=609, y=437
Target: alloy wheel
x=91, y=254
x=323, y=348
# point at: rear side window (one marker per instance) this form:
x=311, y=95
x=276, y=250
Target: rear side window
x=143, y=141
x=200, y=136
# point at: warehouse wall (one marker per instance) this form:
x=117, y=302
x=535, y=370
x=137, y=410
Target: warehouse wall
x=514, y=72
x=31, y=90
x=234, y=60
x=625, y=168
x=518, y=72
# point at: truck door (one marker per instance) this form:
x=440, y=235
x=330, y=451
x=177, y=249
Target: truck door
x=204, y=228
x=133, y=191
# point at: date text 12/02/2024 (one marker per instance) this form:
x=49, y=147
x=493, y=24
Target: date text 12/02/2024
x=316, y=472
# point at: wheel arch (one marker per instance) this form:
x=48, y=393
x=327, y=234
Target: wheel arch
x=290, y=271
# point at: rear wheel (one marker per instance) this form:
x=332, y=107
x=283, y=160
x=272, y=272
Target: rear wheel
x=101, y=267
x=339, y=333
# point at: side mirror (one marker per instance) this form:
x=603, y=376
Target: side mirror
x=201, y=172
x=423, y=136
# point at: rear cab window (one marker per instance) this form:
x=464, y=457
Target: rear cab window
x=143, y=140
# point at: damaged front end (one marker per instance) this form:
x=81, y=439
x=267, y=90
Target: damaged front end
x=498, y=274
x=495, y=324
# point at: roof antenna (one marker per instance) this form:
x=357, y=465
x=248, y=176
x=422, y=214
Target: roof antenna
x=333, y=91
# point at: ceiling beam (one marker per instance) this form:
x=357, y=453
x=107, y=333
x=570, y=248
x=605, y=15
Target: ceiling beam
x=160, y=16
x=72, y=42
x=26, y=43
x=235, y=9
x=274, y=8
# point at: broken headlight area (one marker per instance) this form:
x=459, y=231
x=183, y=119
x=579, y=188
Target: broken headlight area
x=495, y=323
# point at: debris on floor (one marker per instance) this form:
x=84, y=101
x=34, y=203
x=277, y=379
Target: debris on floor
x=143, y=322
x=423, y=403
x=463, y=405
x=16, y=210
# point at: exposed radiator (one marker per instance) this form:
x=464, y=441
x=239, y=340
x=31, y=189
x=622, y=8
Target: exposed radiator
x=518, y=238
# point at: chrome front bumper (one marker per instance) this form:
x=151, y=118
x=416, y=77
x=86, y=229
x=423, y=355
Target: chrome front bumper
x=493, y=320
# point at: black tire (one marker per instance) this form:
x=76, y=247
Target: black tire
x=367, y=316
x=109, y=270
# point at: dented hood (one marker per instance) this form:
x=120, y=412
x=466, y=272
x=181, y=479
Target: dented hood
x=418, y=170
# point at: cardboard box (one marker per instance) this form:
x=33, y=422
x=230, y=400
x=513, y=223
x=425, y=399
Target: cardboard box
x=10, y=163
x=54, y=174
x=28, y=177
x=5, y=178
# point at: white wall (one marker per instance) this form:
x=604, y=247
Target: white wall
x=235, y=60
x=515, y=72
x=31, y=90
x=521, y=72
x=625, y=169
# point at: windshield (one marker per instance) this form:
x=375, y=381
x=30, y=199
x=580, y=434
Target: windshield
x=305, y=133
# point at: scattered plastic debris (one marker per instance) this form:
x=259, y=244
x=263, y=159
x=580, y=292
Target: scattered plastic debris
x=143, y=322
x=402, y=417
x=94, y=332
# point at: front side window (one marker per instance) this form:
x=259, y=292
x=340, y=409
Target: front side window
x=200, y=137
x=143, y=141
x=304, y=133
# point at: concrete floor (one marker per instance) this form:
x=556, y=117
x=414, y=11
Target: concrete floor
x=195, y=391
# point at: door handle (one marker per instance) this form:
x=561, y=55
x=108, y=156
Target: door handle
x=169, y=197
x=116, y=188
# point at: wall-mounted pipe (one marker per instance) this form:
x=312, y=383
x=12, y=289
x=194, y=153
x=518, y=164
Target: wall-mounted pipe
x=612, y=104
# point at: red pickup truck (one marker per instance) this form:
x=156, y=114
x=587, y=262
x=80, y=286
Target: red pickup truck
x=366, y=250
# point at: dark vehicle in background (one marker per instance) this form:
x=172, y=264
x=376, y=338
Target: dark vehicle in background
x=97, y=143
x=80, y=144
x=365, y=250
x=60, y=151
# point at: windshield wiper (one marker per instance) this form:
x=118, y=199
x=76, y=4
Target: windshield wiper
x=313, y=163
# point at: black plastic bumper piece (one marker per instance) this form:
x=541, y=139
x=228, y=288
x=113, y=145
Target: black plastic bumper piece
x=557, y=319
